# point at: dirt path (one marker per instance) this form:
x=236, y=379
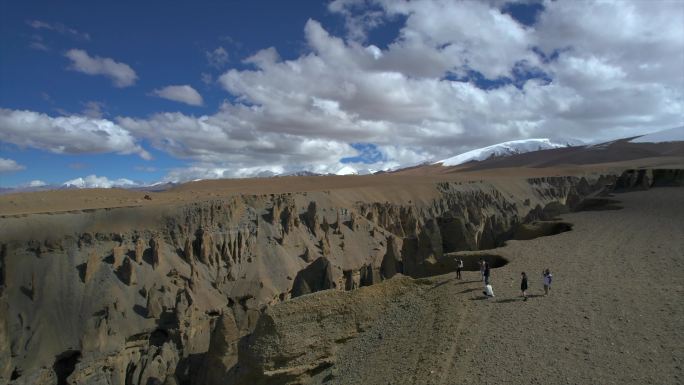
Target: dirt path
x=614, y=316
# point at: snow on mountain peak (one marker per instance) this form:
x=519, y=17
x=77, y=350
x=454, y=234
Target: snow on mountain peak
x=502, y=149
x=94, y=181
x=346, y=170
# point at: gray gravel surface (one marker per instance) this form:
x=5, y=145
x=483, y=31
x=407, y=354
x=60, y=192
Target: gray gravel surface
x=615, y=314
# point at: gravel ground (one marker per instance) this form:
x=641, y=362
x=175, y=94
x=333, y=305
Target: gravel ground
x=614, y=315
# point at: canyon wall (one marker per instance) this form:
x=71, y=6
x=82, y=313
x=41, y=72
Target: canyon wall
x=172, y=294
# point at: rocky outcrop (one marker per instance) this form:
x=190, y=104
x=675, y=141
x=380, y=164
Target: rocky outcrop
x=222, y=355
x=293, y=342
x=126, y=272
x=155, y=246
x=162, y=294
x=315, y=277
x=668, y=177
x=643, y=179
x=139, y=251
x=392, y=261
x=634, y=180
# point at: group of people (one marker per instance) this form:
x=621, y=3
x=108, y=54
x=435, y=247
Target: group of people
x=485, y=273
x=547, y=278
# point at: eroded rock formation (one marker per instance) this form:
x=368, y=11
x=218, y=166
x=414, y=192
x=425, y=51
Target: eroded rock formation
x=115, y=297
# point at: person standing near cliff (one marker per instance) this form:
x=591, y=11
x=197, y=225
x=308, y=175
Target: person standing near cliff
x=548, y=277
x=486, y=273
x=482, y=269
x=459, y=267
x=523, y=285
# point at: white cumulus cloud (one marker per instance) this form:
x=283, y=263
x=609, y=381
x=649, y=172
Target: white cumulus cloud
x=415, y=100
x=183, y=94
x=67, y=134
x=121, y=74
x=94, y=181
x=36, y=183
x=586, y=70
x=10, y=165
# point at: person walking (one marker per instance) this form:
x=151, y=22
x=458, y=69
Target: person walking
x=486, y=273
x=482, y=269
x=548, y=277
x=523, y=285
x=459, y=267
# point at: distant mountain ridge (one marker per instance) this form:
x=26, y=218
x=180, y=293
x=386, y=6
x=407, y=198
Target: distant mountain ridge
x=515, y=153
x=509, y=148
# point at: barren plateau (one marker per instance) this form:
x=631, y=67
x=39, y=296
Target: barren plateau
x=349, y=280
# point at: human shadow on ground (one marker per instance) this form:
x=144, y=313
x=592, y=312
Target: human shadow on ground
x=457, y=281
x=509, y=300
x=518, y=299
x=472, y=289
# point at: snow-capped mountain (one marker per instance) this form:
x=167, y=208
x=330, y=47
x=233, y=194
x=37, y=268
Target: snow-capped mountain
x=502, y=149
x=349, y=170
x=300, y=173
x=94, y=181
x=346, y=170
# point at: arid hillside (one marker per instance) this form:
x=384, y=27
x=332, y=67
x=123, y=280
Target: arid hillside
x=211, y=282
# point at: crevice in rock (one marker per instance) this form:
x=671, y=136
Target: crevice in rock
x=159, y=337
x=65, y=363
x=528, y=231
x=16, y=373
x=471, y=262
x=130, y=373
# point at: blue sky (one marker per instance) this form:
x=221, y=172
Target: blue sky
x=173, y=91
x=164, y=42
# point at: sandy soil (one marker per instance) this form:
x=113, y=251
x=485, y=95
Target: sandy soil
x=614, y=315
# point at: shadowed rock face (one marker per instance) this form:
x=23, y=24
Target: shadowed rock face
x=315, y=277
x=162, y=294
x=643, y=179
x=64, y=365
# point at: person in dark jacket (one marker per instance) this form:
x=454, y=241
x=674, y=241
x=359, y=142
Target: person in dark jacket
x=481, y=263
x=486, y=273
x=523, y=285
x=459, y=267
